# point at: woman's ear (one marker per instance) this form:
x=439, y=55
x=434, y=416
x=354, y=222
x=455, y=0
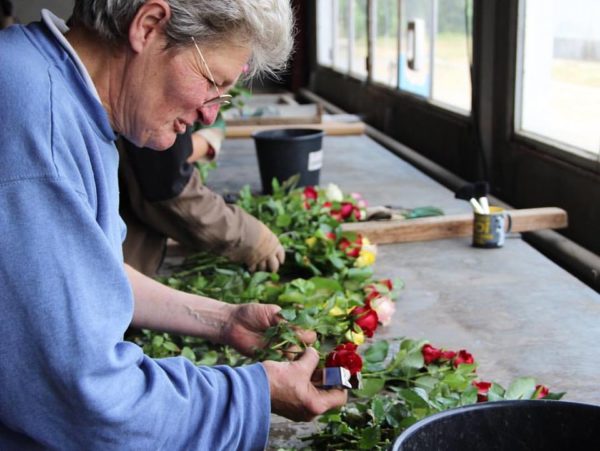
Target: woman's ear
x=148, y=23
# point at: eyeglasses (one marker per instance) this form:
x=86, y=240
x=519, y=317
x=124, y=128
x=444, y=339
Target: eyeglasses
x=220, y=99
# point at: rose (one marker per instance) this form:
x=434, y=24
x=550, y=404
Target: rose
x=351, y=248
x=345, y=355
x=431, y=354
x=385, y=309
x=310, y=193
x=346, y=210
x=463, y=357
x=482, y=390
x=334, y=193
x=541, y=391
x=366, y=318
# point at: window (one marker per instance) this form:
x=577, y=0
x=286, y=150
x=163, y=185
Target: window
x=325, y=32
x=385, y=54
x=418, y=46
x=360, y=42
x=558, y=75
x=341, y=45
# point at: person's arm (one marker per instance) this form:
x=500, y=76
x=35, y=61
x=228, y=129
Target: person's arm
x=207, y=141
x=166, y=195
x=159, y=307
x=242, y=326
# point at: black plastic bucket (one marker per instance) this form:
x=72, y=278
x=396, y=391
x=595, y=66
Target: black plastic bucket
x=283, y=153
x=507, y=426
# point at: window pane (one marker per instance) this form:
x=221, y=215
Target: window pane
x=415, y=52
x=451, y=78
x=341, y=55
x=325, y=32
x=559, y=73
x=385, y=57
x=359, y=44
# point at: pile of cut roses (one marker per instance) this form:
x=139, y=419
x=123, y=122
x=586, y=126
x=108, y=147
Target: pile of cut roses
x=327, y=285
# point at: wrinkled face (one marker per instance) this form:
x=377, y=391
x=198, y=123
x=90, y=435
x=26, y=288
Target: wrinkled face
x=164, y=90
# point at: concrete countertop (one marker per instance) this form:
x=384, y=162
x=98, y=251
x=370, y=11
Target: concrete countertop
x=517, y=312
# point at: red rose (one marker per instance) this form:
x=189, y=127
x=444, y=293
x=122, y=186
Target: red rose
x=372, y=295
x=387, y=283
x=330, y=236
x=542, y=391
x=366, y=318
x=430, y=354
x=447, y=355
x=345, y=355
x=482, y=390
x=352, y=249
x=463, y=357
x=310, y=193
x=346, y=210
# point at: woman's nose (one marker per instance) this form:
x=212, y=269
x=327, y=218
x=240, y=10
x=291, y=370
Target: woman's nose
x=207, y=115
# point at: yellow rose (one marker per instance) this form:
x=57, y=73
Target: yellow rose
x=366, y=258
x=310, y=242
x=336, y=311
x=357, y=338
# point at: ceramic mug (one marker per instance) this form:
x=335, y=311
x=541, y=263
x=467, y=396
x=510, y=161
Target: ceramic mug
x=490, y=229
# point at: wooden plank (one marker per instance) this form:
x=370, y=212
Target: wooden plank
x=274, y=115
x=330, y=128
x=451, y=226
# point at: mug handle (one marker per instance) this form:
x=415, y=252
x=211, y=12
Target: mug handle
x=509, y=222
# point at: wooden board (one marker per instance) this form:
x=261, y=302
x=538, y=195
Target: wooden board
x=330, y=128
x=451, y=226
x=274, y=115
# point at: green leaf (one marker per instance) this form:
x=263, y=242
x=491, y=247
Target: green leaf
x=414, y=397
x=371, y=386
x=188, y=353
x=413, y=360
x=288, y=314
x=170, y=346
x=555, y=396
x=426, y=382
x=369, y=437
x=377, y=352
x=283, y=220
x=521, y=388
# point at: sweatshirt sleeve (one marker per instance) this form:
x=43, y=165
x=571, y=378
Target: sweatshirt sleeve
x=69, y=380
x=196, y=217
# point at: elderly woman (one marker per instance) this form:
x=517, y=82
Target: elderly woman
x=144, y=69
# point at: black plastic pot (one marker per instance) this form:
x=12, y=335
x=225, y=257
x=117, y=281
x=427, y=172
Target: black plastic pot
x=283, y=153
x=507, y=426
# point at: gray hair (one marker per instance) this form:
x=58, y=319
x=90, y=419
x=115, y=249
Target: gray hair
x=265, y=26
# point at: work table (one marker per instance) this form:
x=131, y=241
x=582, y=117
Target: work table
x=516, y=311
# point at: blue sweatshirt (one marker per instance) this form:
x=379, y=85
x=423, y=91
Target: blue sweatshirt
x=68, y=380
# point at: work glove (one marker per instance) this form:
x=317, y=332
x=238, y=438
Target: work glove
x=268, y=254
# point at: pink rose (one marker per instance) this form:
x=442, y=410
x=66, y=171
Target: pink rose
x=385, y=309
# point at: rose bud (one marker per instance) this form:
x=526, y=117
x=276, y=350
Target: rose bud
x=482, y=390
x=463, y=357
x=542, y=391
x=345, y=355
x=366, y=318
x=430, y=354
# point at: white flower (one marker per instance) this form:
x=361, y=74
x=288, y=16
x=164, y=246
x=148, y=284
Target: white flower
x=385, y=309
x=333, y=193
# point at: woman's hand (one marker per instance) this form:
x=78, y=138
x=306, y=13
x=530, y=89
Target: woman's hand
x=247, y=324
